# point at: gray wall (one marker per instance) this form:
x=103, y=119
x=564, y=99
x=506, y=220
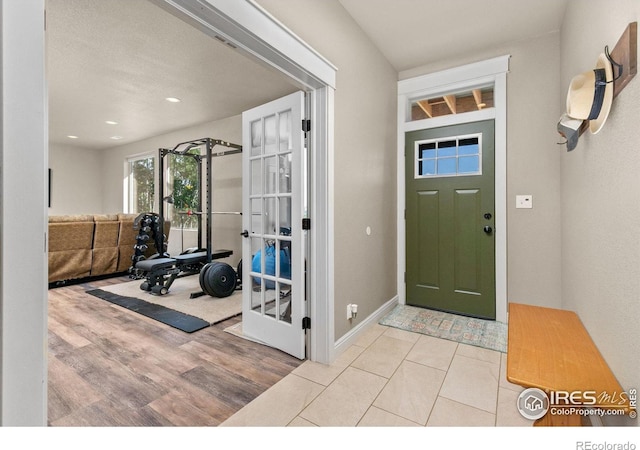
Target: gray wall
x=76, y=180
x=365, y=154
x=601, y=198
x=533, y=165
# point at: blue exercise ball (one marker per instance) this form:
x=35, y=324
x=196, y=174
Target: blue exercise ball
x=270, y=265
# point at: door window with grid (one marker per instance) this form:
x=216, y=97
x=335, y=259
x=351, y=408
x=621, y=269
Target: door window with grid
x=450, y=157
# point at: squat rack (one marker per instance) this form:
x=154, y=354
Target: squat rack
x=182, y=149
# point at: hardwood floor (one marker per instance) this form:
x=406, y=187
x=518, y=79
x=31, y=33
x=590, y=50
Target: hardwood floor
x=112, y=367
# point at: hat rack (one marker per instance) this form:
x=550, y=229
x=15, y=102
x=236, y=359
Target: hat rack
x=625, y=53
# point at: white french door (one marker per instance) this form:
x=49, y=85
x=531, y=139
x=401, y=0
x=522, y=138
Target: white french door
x=273, y=250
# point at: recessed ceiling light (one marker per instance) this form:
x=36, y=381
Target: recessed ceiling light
x=173, y=99
x=72, y=137
x=116, y=138
x=111, y=122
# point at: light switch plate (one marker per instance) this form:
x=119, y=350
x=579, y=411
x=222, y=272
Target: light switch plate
x=524, y=201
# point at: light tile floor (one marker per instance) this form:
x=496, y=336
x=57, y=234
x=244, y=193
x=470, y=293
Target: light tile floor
x=391, y=377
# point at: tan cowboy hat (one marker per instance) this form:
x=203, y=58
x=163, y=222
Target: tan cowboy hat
x=591, y=94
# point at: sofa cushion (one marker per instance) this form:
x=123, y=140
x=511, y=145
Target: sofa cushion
x=104, y=261
x=69, y=264
x=71, y=218
x=105, y=245
x=123, y=216
x=106, y=234
x=105, y=217
x=70, y=236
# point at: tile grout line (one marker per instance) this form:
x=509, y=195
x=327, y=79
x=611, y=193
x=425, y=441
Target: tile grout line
x=387, y=382
x=442, y=384
x=335, y=378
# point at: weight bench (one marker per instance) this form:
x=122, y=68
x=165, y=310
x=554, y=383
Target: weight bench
x=160, y=273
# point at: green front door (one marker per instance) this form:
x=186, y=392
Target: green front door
x=450, y=219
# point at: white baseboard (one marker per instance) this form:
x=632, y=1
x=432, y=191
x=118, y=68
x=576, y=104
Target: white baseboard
x=352, y=336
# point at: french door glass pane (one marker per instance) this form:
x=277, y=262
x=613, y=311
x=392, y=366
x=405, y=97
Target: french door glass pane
x=269, y=218
x=256, y=177
x=270, y=136
x=284, y=302
x=270, y=174
x=256, y=138
x=284, y=175
x=285, y=131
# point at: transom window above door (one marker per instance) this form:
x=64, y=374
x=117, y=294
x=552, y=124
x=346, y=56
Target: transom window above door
x=449, y=157
x=452, y=103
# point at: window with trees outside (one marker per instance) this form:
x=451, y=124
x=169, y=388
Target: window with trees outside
x=183, y=190
x=182, y=198
x=141, y=185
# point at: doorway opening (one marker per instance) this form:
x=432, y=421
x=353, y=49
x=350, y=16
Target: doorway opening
x=485, y=79
x=303, y=68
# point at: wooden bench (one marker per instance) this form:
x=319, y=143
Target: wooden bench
x=551, y=350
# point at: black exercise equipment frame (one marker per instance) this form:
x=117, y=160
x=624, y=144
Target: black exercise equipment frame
x=182, y=149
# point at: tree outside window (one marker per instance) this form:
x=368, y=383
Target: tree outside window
x=185, y=190
x=142, y=185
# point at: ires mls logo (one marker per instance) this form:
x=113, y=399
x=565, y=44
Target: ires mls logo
x=590, y=398
x=533, y=403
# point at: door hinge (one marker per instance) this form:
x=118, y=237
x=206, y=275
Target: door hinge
x=306, y=224
x=306, y=125
x=306, y=323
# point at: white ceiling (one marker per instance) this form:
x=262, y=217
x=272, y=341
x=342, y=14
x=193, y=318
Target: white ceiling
x=412, y=33
x=118, y=59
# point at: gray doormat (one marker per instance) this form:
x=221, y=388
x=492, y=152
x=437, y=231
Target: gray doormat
x=467, y=330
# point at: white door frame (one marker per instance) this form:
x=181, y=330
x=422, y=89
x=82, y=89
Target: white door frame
x=271, y=43
x=492, y=71
x=23, y=215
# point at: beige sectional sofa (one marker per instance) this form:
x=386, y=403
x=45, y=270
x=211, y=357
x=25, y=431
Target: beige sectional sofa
x=82, y=246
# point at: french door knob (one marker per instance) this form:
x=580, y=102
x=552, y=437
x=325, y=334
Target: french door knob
x=245, y=233
x=487, y=229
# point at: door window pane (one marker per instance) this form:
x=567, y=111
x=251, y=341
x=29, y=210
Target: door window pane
x=256, y=177
x=256, y=138
x=285, y=173
x=447, y=148
x=284, y=302
x=270, y=134
x=285, y=131
x=270, y=174
x=427, y=167
x=269, y=218
x=450, y=156
x=446, y=166
x=468, y=164
x=469, y=146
